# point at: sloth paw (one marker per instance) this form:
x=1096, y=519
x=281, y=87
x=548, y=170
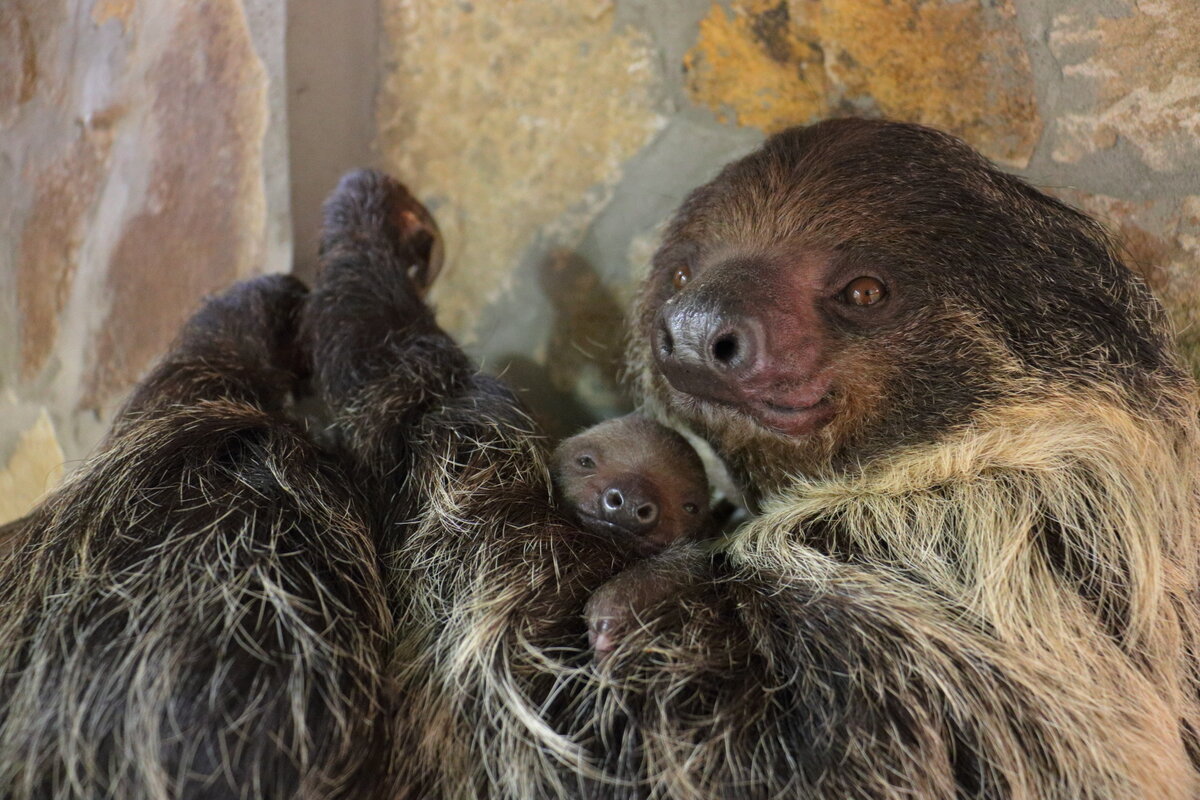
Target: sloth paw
x=625, y=603
x=369, y=208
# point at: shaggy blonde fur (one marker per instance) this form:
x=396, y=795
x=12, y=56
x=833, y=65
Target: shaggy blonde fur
x=966, y=519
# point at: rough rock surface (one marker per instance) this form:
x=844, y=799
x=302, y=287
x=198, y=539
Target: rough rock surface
x=515, y=118
x=955, y=65
x=134, y=183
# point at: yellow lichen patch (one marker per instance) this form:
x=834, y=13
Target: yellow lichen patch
x=504, y=116
x=1144, y=67
x=752, y=65
x=35, y=466
x=959, y=66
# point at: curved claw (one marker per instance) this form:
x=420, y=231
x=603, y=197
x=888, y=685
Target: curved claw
x=418, y=226
x=602, y=637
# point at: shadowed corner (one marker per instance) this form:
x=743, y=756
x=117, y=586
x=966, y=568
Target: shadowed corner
x=579, y=381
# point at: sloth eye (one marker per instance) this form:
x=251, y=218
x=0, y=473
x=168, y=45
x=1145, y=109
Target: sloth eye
x=681, y=277
x=691, y=508
x=864, y=291
x=587, y=462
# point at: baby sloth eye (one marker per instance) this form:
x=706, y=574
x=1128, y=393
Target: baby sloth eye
x=587, y=462
x=864, y=291
x=681, y=277
x=691, y=508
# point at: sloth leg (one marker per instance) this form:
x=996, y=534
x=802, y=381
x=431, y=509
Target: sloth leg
x=197, y=611
x=379, y=359
x=369, y=329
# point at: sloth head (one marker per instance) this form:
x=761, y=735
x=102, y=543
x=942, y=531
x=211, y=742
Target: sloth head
x=856, y=286
x=633, y=478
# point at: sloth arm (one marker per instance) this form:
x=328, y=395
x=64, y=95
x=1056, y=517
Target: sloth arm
x=487, y=580
x=171, y=615
x=821, y=678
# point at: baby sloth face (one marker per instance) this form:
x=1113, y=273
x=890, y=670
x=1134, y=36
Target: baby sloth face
x=633, y=478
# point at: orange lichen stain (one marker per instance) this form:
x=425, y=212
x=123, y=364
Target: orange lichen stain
x=202, y=224
x=50, y=240
x=753, y=65
x=957, y=66
x=18, y=61
x=120, y=10
x=960, y=66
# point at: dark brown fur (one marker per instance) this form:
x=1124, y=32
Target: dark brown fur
x=172, y=614
x=207, y=608
x=962, y=584
x=976, y=580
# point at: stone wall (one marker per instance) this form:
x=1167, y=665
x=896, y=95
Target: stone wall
x=553, y=138
x=144, y=157
x=142, y=166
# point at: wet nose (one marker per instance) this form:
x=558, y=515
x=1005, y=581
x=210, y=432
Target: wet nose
x=703, y=346
x=629, y=504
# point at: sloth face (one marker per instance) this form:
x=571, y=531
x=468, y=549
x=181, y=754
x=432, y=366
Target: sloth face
x=857, y=286
x=635, y=479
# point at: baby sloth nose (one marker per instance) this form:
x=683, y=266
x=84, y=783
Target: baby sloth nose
x=628, y=504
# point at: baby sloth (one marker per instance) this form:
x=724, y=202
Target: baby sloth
x=641, y=481
x=633, y=478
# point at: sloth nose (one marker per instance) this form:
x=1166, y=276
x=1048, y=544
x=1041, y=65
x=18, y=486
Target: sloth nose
x=628, y=504
x=703, y=347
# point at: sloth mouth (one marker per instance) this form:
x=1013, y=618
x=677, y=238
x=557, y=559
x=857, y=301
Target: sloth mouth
x=639, y=542
x=795, y=411
x=792, y=419
x=598, y=525
x=790, y=407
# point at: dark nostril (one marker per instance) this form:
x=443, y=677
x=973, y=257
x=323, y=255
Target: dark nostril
x=613, y=499
x=666, y=344
x=725, y=348
x=647, y=512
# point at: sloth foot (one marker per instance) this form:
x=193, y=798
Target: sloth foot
x=370, y=207
x=256, y=317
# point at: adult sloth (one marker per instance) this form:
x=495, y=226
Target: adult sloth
x=971, y=573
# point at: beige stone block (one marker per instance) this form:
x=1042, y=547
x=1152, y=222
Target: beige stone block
x=33, y=469
x=512, y=118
